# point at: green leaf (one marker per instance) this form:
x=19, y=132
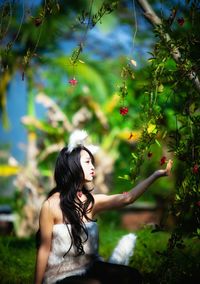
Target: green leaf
x=158, y=143
x=134, y=156
x=125, y=177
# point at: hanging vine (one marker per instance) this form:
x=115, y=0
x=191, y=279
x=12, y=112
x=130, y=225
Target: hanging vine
x=90, y=20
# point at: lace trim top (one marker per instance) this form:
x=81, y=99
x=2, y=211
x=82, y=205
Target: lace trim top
x=60, y=264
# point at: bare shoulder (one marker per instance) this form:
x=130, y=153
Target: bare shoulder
x=46, y=220
x=45, y=209
x=54, y=206
x=54, y=200
x=50, y=206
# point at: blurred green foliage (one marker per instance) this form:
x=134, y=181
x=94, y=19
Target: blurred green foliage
x=162, y=101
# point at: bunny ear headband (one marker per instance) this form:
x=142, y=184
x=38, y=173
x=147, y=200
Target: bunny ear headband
x=78, y=138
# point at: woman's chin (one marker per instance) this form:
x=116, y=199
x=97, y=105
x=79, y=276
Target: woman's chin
x=89, y=179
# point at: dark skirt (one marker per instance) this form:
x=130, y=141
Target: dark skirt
x=106, y=273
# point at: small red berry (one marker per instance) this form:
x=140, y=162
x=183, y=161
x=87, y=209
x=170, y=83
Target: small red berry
x=123, y=110
x=198, y=203
x=181, y=21
x=195, y=169
x=73, y=82
x=163, y=160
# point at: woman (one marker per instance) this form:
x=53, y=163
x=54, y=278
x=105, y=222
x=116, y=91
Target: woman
x=68, y=250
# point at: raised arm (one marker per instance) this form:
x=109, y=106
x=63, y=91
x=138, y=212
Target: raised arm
x=46, y=226
x=104, y=202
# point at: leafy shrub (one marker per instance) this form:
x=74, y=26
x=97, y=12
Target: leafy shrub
x=157, y=266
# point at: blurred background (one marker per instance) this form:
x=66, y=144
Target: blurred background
x=91, y=65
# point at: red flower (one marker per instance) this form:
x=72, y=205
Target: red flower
x=195, y=169
x=181, y=21
x=163, y=160
x=123, y=110
x=73, y=82
x=149, y=154
x=198, y=203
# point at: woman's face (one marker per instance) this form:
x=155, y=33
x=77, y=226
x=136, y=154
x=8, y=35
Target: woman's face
x=87, y=166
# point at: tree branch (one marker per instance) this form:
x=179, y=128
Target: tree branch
x=175, y=53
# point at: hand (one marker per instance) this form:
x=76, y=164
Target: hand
x=166, y=171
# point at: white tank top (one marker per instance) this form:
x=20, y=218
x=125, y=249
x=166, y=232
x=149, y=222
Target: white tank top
x=60, y=265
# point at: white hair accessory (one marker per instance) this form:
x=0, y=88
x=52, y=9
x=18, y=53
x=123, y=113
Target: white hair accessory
x=78, y=138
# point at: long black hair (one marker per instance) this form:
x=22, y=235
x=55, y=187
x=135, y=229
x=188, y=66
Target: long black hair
x=69, y=178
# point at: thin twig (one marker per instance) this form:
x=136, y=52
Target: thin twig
x=9, y=21
x=136, y=25
x=88, y=23
x=21, y=22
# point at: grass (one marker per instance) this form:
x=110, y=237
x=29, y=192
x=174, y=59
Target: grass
x=17, y=256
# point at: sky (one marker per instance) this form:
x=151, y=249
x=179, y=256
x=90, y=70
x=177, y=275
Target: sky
x=15, y=136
